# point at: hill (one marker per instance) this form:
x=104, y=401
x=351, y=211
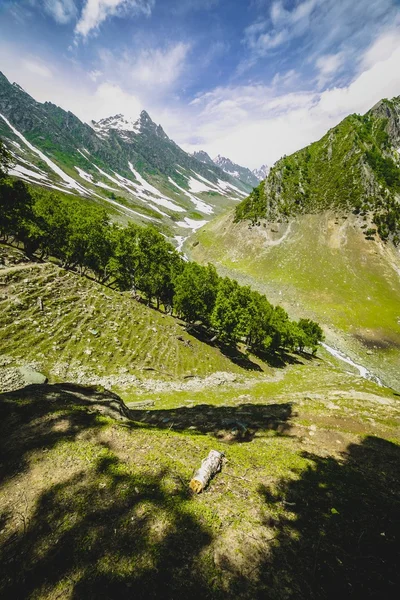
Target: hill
x=354, y=167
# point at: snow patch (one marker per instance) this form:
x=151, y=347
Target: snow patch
x=71, y=183
x=199, y=204
x=198, y=187
x=84, y=175
x=224, y=185
x=20, y=171
x=191, y=224
x=180, y=241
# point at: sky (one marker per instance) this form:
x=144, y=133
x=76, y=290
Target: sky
x=248, y=79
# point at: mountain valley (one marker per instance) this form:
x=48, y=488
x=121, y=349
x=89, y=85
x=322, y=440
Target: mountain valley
x=123, y=362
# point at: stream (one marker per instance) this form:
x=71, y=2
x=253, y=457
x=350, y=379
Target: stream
x=362, y=370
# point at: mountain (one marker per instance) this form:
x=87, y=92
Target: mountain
x=323, y=238
x=203, y=157
x=241, y=173
x=131, y=167
x=354, y=167
x=261, y=173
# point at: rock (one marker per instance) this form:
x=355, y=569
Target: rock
x=30, y=376
x=94, y=332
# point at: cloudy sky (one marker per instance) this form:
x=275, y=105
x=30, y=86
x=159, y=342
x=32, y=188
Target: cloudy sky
x=248, y=79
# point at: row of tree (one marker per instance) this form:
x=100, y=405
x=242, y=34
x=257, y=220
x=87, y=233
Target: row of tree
x=137, y=258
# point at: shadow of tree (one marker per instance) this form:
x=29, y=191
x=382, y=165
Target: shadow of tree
x=127, y=537
x=338, y=529
x=230, y=423
x=113, y=530
x=39, y=416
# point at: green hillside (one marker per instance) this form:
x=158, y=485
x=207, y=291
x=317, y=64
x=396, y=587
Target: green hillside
x=354, y=167
x=323, y=266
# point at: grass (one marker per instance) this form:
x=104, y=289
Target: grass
x=86, y=330
x=324, y=269
x=92, y=506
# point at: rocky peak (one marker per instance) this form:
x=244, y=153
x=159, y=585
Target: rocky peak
x=203, y=157
x=261, y=173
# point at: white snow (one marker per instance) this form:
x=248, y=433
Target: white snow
x=225, y=185
x=199, y=204
x=198, y=187
x=191, y=224
x=362, y=370
x=84, y=175
x=138, y=191
x=71, y=183
x=156, y=196
x=84, y=156
x=118, y=122
x=20, y=171
x=17, y=145
x=181, y=240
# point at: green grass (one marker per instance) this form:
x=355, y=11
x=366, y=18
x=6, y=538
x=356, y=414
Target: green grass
x=324, y=269
x=101, y=507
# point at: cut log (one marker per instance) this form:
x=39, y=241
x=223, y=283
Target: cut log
x=209, y=467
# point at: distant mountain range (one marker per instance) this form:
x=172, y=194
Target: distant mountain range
x=243, y=174
x=130, y=166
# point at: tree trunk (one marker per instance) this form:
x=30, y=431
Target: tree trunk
x=209, y=467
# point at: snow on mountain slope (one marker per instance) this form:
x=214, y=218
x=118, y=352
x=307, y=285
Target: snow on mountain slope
x=71, y=183
x=199, y=204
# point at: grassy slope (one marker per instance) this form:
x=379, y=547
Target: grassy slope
x=86, y=331
x=322, y=266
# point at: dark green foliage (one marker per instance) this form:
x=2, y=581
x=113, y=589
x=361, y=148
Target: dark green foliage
x=385, y=168
x=253, y=207
x=5, y=160
x=195, y=292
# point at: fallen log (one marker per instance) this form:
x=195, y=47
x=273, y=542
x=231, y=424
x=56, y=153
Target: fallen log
x=209, y=467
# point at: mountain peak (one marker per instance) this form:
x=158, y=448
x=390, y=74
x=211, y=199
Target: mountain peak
x=235, y=170
x=262, y=172
x=145, y=116
x=203, y=157
x=118, y=122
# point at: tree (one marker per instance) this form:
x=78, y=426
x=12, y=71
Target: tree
x=313, y=334
x=6, y=161
x=227, y=312
x=195, y=292
x=159, y=264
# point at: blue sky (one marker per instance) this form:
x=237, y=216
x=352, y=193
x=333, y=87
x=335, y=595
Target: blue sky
x=251, y=80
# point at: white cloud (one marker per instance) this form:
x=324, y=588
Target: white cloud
x=95, y=12
x=328, y=66
x=110, y=99
x=95, y=74
x=254, y=124
x=281, y=25
x=156, y=67
x=62, y=11
x=36, y=67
